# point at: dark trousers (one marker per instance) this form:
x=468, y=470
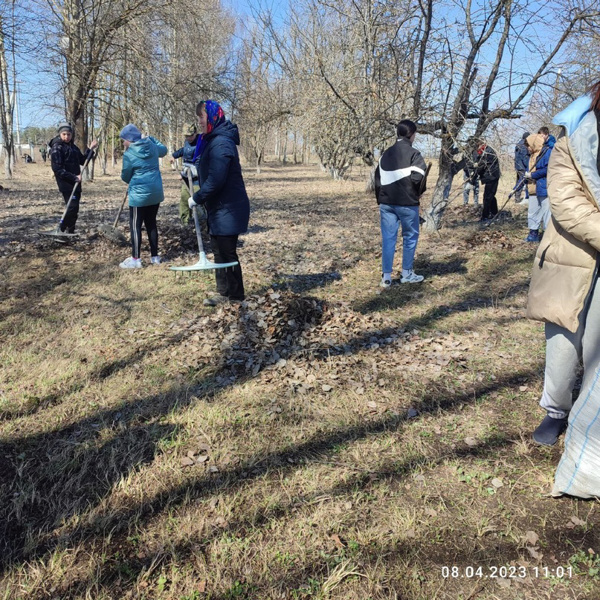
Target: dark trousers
x=490, y=205
x=229, y=280
x=71, y=216
x=143, y=215
x=520, y=175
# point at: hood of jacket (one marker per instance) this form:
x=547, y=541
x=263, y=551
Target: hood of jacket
x=57, y=140
x=142, y=148
x=226, y=129
x=581, y=128
x=570, y=118
x=535, y=142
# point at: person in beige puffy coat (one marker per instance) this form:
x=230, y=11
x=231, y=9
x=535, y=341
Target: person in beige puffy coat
x=563, y=291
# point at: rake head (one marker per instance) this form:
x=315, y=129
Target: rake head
x=112, y=234
x=204, y=265
x=59, y=236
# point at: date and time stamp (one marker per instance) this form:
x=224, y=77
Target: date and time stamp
x=506, y=572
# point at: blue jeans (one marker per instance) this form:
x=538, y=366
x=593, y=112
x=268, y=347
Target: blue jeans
x=391, y=218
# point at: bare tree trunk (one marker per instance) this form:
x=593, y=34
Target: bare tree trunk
x=6, y=107
x=113, y=157
x=295, y=147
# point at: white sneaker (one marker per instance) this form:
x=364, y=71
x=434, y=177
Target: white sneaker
x=155, y=260
x=411, y=277
x=385, y=283
x=131, y=263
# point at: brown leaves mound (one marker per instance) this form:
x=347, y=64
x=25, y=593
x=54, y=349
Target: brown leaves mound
x=177, y=240
x=291, y=335
x=489, y=238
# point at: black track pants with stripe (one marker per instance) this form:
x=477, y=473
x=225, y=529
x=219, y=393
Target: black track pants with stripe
x=143, y=215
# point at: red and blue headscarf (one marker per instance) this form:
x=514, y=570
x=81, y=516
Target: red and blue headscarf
x=214, y=117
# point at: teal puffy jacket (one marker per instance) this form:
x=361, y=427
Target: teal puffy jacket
x=142, y=173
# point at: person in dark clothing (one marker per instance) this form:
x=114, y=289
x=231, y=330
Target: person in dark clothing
x=186, y=152
x=521, y=166
x=470, y=179
x=398, y=187
x=488, y=172
x=66, y=160
x=223, y=193
x=44, y=152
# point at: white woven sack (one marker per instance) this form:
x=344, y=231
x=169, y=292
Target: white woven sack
x=578, y=472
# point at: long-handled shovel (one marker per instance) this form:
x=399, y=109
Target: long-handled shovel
x=58, y=234
x=203, y=263
x=110, y=231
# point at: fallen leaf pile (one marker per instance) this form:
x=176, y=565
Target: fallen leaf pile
x=490, y=238
x=176, y=240
x=309, y=344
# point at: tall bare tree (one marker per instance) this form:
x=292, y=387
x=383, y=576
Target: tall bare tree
x=7, y=100
x=480, y=81
x=351, y=58
x=264, y=98
x=85, y=36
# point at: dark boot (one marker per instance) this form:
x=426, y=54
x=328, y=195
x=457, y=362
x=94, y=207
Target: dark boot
x=549, y=430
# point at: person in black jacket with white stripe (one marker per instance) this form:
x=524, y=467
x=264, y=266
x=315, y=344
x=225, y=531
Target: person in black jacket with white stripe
x=398, y=180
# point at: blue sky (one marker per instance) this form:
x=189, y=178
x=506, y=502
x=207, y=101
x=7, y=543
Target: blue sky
x=36, y=101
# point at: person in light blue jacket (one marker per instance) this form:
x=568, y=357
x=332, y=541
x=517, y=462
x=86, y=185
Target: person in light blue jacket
x=141, y=171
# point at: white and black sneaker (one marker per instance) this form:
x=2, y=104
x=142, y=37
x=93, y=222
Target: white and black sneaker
x=411, y=277
x=386, y=282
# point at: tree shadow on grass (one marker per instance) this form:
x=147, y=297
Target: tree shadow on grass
x=282, y=464
x=475, y=296
x=51, y=478
x=72, y=470
x=302, y=283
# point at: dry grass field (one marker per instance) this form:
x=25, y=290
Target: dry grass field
x=323, y=440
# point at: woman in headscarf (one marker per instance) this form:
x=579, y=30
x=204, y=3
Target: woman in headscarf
x=564, y=291
x=223, y=194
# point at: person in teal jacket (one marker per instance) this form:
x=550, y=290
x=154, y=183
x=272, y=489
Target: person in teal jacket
x=141, y=171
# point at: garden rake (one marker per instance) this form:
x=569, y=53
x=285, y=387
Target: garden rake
x=518, y=186
x=58, y=234
x=110, y=231
x=203, y=263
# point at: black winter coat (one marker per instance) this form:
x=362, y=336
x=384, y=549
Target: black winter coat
x=222, y=190
x=399, y=174
x=488, y=167
x=66, y=159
